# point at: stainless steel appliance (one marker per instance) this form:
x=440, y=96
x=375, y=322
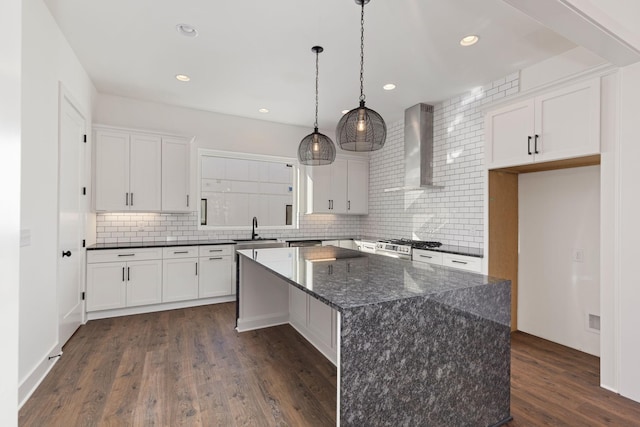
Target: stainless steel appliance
x=401, y=248
x=365, y=246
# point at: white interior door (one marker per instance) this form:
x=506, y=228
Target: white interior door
x=70, y=219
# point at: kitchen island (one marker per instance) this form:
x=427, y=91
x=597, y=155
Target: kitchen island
x=415, y=344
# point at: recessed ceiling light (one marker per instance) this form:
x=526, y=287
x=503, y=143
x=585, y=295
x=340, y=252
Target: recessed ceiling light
x=264, y=110
x=469, y=40
x=183, y=77
x=389, y=86
x=345, y=111
x=186, y=30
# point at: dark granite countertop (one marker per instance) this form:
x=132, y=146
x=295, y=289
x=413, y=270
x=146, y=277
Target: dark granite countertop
x=304, y=239
x=344, y=279
x=160, y=244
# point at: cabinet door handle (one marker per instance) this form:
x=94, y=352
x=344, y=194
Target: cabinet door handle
x=458, y=262
x=218, y=257
x=180, y=252
x=329, y=204
x=123, y=274
x=348, y=205
x=126, y=254
x=426, y=256
x=196, y=268
x=131, y=199
x=128, y=273
x=529, y=145
x=126, y=199
x=535, y=144
x=187, y=200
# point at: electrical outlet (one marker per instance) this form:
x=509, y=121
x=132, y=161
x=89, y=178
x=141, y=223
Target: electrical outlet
x=578, y=255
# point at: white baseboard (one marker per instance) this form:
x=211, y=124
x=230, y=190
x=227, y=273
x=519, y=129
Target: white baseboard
x=259, y=322
x=37, y=374
x=104, y=314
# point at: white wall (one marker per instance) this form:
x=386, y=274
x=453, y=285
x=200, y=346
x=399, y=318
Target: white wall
x=559, y=214
x=454, y=214
x=628, y=265
x=10, y=78
x=47, y=60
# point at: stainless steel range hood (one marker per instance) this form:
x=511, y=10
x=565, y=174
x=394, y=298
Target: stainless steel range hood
x=418, y=148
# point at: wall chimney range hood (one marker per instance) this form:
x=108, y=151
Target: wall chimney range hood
x=418, y=149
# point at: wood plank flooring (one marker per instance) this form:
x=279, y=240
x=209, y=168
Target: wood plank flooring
x=189, y=367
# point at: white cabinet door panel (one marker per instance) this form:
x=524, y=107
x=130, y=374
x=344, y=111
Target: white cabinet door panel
x=509, y=135
x=568, y=122
x=176, y=195
x=320, y=321
x=339, y=186
x=215, y=276
x=179, y=279
x=145, y=173
x=144, y=282
x=298, y=307
x=106, y=286
x=319, y=188
x=358, y=187
x=112, y=171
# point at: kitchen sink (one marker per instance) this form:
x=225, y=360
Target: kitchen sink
x=258, y=243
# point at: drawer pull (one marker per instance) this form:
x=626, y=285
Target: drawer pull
x=215, y=250
x=458, y=262
x=180, y=252
x=426, y=256
x=218, y=257
x=126, y=254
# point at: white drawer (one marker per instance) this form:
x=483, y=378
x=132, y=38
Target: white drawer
x=216, y=250
x=114, y=255
x=431, y=257
x=463, y=262
x=180, y=252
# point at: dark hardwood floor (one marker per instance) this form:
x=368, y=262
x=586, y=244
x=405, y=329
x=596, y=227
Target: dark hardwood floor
x=189, y=367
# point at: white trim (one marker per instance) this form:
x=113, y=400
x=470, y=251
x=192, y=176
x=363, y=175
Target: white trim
x=259, y=322
x=97, y=126
x=105, y=314
x=327, y=352
x=37, y=375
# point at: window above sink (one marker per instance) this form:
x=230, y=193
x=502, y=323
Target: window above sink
x=235, y=187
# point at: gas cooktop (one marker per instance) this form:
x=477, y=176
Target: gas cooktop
x=414, y=244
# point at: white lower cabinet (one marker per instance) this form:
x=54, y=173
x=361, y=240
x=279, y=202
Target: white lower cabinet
x=216, y=271
x=114, y=283
x=462, y=262
x=180, y=274
x=315, y=320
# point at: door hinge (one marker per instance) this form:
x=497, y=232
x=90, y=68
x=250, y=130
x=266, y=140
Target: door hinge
x=84, y=191
x=84, y=243
x=84, y=139
x=83, y=296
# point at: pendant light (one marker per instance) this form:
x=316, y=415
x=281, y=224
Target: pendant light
x=316, y=149
x=361, y=129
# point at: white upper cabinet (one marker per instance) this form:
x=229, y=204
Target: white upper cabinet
x=558, y=125
x=358, y=187
x=339, y=188
x=143, y=172
x=175, y=175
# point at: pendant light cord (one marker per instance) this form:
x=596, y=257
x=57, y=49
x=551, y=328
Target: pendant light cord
x=315, y=124
x=362, y=53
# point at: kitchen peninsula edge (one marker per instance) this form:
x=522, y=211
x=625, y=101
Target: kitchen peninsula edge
x=416, y=344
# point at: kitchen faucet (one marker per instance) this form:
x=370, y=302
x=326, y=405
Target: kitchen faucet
x=253, y=228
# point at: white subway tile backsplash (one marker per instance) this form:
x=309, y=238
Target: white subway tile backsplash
x=453, y=214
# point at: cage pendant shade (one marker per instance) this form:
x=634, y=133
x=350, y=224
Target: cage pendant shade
x=316, y=149
x=361, y=129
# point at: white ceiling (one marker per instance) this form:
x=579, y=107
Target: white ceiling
x=257, y=53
